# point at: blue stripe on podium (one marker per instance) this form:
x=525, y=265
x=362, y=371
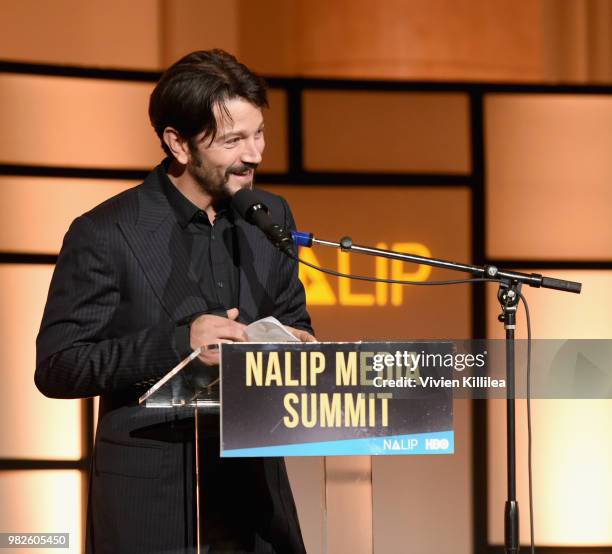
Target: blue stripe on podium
x=421, y=443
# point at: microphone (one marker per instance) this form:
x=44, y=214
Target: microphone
x=253, y=210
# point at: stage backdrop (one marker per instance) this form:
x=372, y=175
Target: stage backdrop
x=437, y=160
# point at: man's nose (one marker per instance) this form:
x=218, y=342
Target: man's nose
x=252, y=152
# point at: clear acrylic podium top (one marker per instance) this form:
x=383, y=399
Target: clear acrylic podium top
x=180, y=388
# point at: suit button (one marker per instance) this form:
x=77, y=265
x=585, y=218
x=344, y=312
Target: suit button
x=220, y=284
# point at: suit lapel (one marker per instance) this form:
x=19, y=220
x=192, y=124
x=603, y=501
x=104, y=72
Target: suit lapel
x=156, y=243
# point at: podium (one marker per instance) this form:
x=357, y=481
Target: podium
x=312, y=399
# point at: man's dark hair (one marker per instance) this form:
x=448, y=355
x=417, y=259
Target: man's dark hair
x=188, y=91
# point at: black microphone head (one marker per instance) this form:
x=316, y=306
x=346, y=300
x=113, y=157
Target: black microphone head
x=245, y=201
x=252, y=209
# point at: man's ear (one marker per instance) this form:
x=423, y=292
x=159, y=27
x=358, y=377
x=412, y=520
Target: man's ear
x=177, y=145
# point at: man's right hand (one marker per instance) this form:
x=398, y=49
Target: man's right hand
x=214, y=329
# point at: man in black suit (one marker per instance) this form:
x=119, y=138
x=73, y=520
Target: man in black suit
x=146, y=277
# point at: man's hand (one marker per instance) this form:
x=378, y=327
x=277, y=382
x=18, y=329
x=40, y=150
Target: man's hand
x=214, y=329
x=304, y=336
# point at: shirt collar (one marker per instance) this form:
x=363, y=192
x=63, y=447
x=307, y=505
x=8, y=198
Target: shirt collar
x=184, y=210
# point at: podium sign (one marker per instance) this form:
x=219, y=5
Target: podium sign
x=326, y=399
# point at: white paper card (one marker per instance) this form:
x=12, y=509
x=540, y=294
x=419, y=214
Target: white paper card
x=269, y=329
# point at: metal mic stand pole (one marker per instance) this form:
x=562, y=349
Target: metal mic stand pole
x=508, y=296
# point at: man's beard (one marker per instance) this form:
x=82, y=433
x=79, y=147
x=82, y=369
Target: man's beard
x=210, y=182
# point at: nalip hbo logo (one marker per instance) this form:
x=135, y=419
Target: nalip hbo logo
x=436, y=444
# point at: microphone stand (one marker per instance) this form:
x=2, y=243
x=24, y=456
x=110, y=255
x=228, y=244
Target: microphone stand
x=508, y=296
x=510, y=283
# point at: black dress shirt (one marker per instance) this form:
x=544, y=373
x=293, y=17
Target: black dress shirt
x=213, y=254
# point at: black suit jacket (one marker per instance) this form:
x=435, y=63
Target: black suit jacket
x=121, y=290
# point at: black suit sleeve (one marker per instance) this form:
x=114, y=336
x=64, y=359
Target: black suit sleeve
x=76, y=352
x=290, y=304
